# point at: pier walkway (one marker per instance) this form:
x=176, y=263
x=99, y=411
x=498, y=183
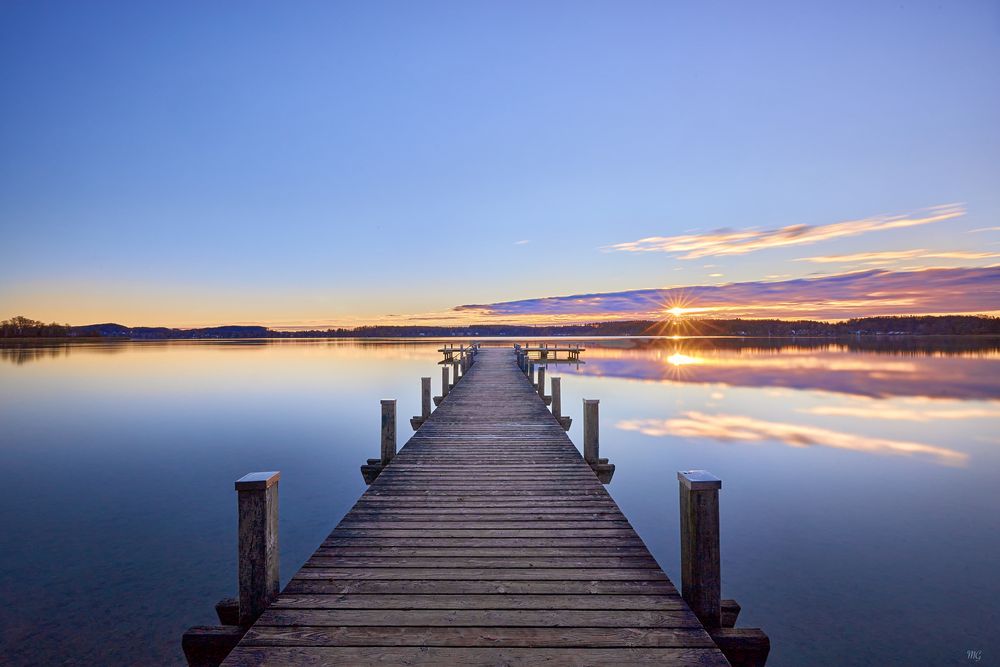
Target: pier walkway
x=487, y=540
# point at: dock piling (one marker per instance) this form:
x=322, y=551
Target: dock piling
x=591, y=442
x=700, y=566
x=387, y=450
x=591, y=431
x=425, y=404
x=425, y=397
x=257, y=500
x=388, y=430
x=701, y=572
x=557, y=403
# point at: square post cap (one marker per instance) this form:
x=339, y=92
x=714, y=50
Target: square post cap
x=699, y=480
x=258, y=480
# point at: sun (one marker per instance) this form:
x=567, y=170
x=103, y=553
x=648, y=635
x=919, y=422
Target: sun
x=676, y=315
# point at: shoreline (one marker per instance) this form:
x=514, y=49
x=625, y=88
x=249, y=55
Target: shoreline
x=127, y=339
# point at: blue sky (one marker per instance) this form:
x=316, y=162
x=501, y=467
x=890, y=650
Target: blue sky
x=196, y=163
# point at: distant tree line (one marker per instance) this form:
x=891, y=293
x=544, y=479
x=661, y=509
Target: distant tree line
x=22, y=327
x=953, y=325
x=950, y=325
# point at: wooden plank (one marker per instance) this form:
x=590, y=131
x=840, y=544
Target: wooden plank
x=583, y=551
x=418, y=524
x=467, y=601
x=597, y=637
x=516, y=542
x=538, y=562
x=474, y=573
x=334, y=586
x=462, y=513
x=361, y=530
x=314, y=656
x=455, y=618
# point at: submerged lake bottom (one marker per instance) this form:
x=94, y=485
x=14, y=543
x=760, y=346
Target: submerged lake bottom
x=859, y=511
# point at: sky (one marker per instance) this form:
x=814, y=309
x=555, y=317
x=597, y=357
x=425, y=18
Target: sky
x=331, y=163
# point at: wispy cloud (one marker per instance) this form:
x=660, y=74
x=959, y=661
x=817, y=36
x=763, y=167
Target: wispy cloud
x=897, y=255
x=522, y=242
x=740, y=242
x=738, y=428
x=984, y=229
x=838, y=296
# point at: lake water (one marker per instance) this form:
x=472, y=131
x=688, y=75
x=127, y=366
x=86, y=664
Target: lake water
x=860, y=506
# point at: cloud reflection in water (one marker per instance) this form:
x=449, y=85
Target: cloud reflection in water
x=737, y=428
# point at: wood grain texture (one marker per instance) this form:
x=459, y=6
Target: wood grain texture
x=258, y=555
x=487, y=540
x=313, y=656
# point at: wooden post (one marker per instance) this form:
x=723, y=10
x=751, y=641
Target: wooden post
x=531, y=373
x=425, y=397
x=541, y=382
x=444, y=381
x=557, y=397
x=257, y=503
x=388, y=430
x=454, y=373
x=591, y=430
x=700, y=566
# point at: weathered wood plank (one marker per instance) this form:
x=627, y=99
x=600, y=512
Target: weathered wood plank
x=468, y=601
x=418, y=524
x=359, y=530
x=506, y=618
x=519, y=541
x=597, y=637
x=539, y=562
x=312, y=656
x=597, y=587
x=474, y=573
x=584, y=551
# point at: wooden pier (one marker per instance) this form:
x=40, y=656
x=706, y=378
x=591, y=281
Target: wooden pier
x=486, y=540
x=544, y=351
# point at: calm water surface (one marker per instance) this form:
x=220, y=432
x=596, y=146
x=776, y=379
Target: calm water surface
x=860, y=506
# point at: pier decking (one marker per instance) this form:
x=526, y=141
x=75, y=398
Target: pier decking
x=488, y=540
